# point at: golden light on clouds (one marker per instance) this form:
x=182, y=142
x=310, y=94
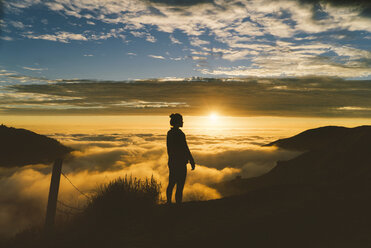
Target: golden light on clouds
x=110, y=146
x=156, y=123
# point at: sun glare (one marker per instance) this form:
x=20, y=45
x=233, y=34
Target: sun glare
x=213, y=117
x=210, y=121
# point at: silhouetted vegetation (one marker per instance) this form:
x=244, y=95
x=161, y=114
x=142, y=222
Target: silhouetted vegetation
x=124, y=196
x=19, y=147
x=122, y=205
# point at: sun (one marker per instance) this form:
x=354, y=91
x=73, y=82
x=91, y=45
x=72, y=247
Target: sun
x=213, y=117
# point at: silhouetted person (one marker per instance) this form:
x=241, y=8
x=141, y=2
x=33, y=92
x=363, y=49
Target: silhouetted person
x=179, y=155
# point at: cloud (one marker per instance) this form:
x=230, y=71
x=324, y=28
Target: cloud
x=99, y=158
x=34, y=68
x=55, y=6
x=307, y=96
x=11, y=100
x=244, y=31
x=113, y=33
x=177, y=58
x=156, y=56
x=318, y=67
x=182, y=2
x=145, y=35
x=13, y=77
x=198, y=58
x=151, y=38
x=174, y=40
x=7, y=38
x=353, y=108
x=194, y=17
x=64, y=37
x=145, y=104
x=23, y=199
x=299, y=60
x=251, y=162
x=198, y=42
x=17, y=24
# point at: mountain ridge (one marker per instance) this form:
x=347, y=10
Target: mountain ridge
x=20, y=147
x=331, y=155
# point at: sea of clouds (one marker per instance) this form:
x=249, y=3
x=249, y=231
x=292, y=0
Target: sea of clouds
x=100, y=158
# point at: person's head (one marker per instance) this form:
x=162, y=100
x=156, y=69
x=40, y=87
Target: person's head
x=176, y=120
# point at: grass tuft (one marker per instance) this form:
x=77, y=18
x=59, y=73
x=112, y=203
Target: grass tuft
x=124, y=196
x=120, y=208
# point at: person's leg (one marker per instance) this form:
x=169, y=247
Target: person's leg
x=181, y=177
x=170, y=187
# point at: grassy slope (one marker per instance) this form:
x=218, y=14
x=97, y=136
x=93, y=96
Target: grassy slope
x=280, y=217
x=283, y=216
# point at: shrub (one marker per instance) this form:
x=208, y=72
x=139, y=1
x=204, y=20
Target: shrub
x=118, y=209
x=126, y=197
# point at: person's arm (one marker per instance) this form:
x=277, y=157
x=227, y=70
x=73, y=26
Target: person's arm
x=168, y=144
x=190, y=157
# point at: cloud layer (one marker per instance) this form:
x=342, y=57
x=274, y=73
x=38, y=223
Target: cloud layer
x=314, y=97
x=264, y=38
x=100, y=158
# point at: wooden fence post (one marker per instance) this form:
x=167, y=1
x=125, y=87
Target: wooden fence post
x=53, y=196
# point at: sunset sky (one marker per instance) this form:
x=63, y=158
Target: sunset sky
x=102, y=76
x=285, y=58
x=57, y=57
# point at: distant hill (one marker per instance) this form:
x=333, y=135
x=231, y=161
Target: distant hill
x=315, y=139
x=331, y=156
x=19, y=147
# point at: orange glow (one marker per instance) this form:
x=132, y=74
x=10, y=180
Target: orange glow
x=214, y=117
x=213, y=121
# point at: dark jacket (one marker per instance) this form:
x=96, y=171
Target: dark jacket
x=177, y=148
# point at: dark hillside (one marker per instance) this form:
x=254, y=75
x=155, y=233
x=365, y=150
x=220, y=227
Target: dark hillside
x=318, y=138
x=282, y=216
x=19, y=147
x=333, y=156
